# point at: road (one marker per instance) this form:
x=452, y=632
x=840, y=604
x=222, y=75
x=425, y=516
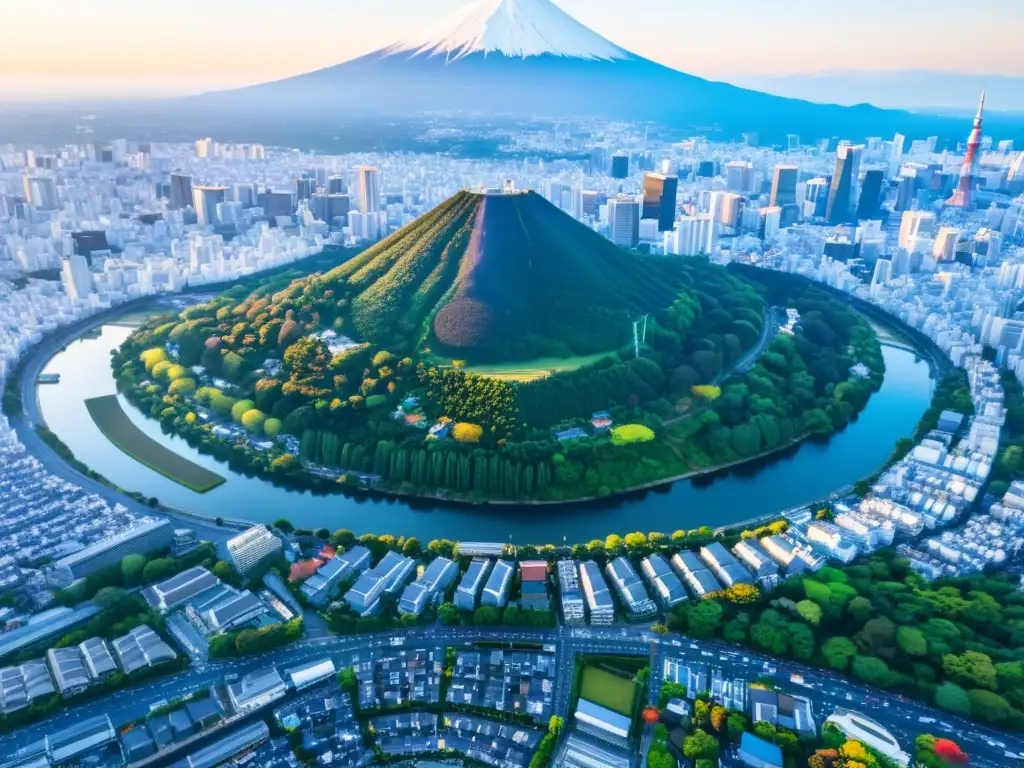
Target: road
x=903, y=717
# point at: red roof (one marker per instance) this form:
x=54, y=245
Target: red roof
x=303, y=570
x=533, y=570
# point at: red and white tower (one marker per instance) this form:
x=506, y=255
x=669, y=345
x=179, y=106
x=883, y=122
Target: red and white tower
x=962, y=197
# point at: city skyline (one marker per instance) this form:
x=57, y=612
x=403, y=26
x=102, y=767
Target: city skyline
x=46, y=61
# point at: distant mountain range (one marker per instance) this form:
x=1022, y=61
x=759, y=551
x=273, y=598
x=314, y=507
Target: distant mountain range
x=918, y=90
x=529, y=57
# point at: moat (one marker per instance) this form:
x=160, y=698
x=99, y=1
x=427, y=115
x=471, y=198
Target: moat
x=811, y=471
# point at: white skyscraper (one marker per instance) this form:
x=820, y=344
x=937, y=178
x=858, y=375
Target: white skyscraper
x=369, y=190
x=945, y=244
x=624, y=221
x=204, y=147
x=693, y=234
x=915, y=224
x=739, y=176
x=40, y=192
x=882, y=275
x=205, y=200
x=76, y=277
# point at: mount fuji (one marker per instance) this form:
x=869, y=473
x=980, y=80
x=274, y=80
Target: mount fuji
x=530, y=58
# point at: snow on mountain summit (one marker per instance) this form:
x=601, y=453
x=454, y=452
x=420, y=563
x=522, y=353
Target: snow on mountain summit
x=515, y=28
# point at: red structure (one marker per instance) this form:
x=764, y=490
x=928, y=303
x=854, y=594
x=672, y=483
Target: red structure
x=533, y=570
x=962, y=197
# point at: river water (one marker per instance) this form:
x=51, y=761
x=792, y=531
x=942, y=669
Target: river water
x=807, y=473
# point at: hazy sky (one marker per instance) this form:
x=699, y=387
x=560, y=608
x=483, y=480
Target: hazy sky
x=160, y=47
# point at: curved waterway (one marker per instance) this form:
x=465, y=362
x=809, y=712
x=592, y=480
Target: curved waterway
x=807, y=473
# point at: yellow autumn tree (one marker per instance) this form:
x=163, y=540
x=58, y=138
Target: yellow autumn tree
x=465, y=432
x=707, y=392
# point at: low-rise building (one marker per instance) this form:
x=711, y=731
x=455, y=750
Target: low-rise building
x=665, y=585
x=141, y=648
x=436, y=578
x=600, y=606
x=256, y=690
x=310, y=674
x=756, y=752
x=781, y=709
x=68, y=670
x=630, y=589
x=22, y=685
x=319, y=587
x=150, y=536
x=98, y=658
x=495, y=592
x=695, y=574
x=66, y=746
x=758, y=561
x=727, y=569
x=602, y=723
x=856, y=726
x=471, y=583
x=570, y=595
x=177, y=590
x=227, y=747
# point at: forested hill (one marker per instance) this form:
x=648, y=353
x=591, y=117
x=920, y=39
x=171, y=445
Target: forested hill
x=502, y=277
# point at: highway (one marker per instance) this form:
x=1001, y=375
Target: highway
x=905, y=718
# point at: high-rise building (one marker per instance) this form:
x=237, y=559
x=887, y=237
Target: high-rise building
x=304, y=188
x=693, y=234
x=1015, y=176
x=245, y=194
x=276, y=203
x=882, y=274
x=844, y=192
x=815, y=198
x=336, y=185
x=739, y=176
x=204, y=147
x=660, y=199
x=369, y=190
x=76, y=277
x=896, y=152
x=624, y=221
x=40, y=192
x=784, y=185
x=915, y=224
x=792, y=142
x=620, y=165
x=963, y=197
x=945, y=244
x=204, y=201
x=252, y=547
x=181, y=191
x=554, y=191
x=726, y=208
x=771, y=220
x=870, y=194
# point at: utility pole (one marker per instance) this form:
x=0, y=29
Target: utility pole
x=645, y=330
x=636, y=339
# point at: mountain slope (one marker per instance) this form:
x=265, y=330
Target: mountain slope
x=502, y=277
x=528, y=57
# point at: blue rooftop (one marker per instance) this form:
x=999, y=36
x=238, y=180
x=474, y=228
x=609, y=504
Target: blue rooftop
x=761, y=749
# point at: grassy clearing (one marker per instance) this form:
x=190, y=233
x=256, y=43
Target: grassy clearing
x=115, y=425
x=529, y=370
x=608, y=690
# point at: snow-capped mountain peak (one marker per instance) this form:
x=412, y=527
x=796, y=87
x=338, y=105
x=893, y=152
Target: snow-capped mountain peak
x=515, y=28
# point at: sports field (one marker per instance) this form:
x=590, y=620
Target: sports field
x=115, y=425
x=607, y=690
x=532, y=370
